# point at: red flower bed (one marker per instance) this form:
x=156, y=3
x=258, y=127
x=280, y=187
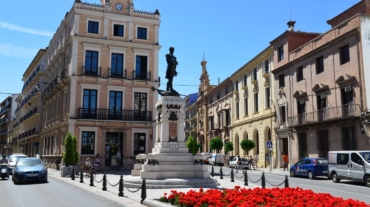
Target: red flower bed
x=267, y=197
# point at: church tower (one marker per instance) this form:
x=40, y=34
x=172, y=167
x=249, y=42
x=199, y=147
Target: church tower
x=204, y=86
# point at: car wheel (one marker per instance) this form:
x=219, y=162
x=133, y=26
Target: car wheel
x=292, y=174
x=367, y=181
x=310, y=175
x=334, y=177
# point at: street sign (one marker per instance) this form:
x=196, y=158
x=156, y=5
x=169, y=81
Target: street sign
x=269, y=144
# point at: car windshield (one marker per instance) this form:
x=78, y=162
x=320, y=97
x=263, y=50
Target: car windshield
x=29, y=162
x=322, y=161
x=15, y=158
x=366, y=156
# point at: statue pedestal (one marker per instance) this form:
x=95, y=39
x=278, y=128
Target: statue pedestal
x=170, y=157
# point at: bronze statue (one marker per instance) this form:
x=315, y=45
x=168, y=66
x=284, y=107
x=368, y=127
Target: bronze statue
x=171, y=69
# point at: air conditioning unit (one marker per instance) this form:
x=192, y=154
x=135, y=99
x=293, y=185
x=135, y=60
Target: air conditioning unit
x=323, y=96
x=347, y=89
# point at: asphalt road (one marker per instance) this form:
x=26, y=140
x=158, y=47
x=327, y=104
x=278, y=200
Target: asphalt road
x=55, y=193
x=344, y=189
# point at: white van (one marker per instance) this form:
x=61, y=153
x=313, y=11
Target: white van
x=217, y=159
x=349, y=165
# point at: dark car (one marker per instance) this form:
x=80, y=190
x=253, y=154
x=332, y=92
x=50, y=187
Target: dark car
x=310, y=167
x=29, y=169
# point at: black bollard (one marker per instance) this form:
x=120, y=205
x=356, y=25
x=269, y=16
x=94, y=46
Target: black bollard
x=73, y=174
x=245, y=178
x=143, y=191
x=104, y=182
x=81, y=176
x=232, y=175
x=212, y=172
x=91, y=178
x=263, y=181
x=221, y=176
x=120, y=187
x=286, y=181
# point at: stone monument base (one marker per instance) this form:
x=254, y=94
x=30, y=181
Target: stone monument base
x=136, y=182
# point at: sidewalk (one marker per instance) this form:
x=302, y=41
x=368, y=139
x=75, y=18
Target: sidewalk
x=131, y=199
x=276, y=171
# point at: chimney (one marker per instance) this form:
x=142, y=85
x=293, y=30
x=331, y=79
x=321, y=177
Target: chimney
x=218, y=81
x=291, y=25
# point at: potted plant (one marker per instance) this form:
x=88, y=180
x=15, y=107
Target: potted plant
x=70, y=155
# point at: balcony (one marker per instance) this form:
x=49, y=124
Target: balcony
x=4, y=131
x=326, y=115
x=117, y=115
x=191, y=115
x=5, y=109
x=93, y=71
x=141, y=75
x=36, y=110
x=117, y=74
x=29, y=133
x=3, y=120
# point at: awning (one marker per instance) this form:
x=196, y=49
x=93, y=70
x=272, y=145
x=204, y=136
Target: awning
x=2, y=116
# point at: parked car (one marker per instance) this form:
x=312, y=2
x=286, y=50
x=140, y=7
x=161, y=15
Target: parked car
x=244, y=163
x=29, y=169
x=13, y=160
x=310, y=167
x=206, y=161
x=349, y=165
x=217, y=159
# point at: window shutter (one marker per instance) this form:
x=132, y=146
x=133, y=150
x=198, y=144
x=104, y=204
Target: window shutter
x=224, y=118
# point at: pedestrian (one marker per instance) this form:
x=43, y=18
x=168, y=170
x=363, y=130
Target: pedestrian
x=98, y=159
x=285, y=161
x=251, y=161
x=307, y=156
x=256, y=160
x=238, y=163
x=88, y=163
x=118, y=159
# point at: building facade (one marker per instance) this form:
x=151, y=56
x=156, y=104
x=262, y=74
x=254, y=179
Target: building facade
x=320, y=86
x=190, y=127
x=7, y=114
x=253, y=107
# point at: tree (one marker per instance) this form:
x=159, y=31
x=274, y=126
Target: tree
x=247, y=145
x=70, y=156
x=216, y=144
x=229, y=146
x=192, y=145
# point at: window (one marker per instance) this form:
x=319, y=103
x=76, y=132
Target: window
x=227, y=117
x=301, y=110
x=344, y=54
x=210, y=123
x=321, y=107
x=282, y=114
x=139, y=143
x=140, y=100
x=91, y=63
x=93, y=27
x=115, y=104
x=88, y=143
x=299, y=74
x=349, y=138
x=89, y=103
x=141, y=33
x=307, y=161
x=245, y=80
x=256, y=102
x=356, y=158
x=302, y=143
x=141, y=67
x=118, y=30
x=342, y=158
x=226, y=90
x=268, y=97
x=323, y=143
x=236, y=85
x=219, y=120
x=254, y=76
x=267, y=66
x=280, y=54
x=237, y=110
x=117, y=65
x=347, y=101
x=319, y=65
x=245, y=106
x=281, y=81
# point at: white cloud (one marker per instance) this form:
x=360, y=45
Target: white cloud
x=24, y=29
x=16, y=51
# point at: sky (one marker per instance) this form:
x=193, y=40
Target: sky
x=226, y=33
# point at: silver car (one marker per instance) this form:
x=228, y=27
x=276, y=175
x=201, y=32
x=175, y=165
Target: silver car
x=13, y=160
x=234, y=161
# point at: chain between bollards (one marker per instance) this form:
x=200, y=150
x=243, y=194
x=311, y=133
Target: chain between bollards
x=143, y=191
x=286, y=181
x=263, y=181
x=104, y=182
x=232, y=175
x=81, y=176
x=221, y=176
x=245, y=178
x=73, y=173
x=120, y=187
x=212, y=172
x=91, y=178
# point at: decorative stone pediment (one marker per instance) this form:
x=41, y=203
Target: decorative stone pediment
x=226, y=106
x=299, y=94
x=245, y=88
x=341, y=80
x=320, y=88
x=267, y=82
x=281, y=91
x=255, y=88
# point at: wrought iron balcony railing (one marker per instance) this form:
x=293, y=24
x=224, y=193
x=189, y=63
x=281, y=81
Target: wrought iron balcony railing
x=141, y=75
x=113, y=114
x=92, y=71
x=121, y=74
x=328, y=114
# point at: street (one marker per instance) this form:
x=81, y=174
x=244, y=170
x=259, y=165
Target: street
x=55, y=193
x=344, y=189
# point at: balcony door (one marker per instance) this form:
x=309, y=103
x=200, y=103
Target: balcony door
x=347, y=101
x=91, y=63
x=321, y=107
x=141, y=67
x=301, y=109
x=90, y=104
x=115, y=105
x=117, y=65
x=139, y=143
x=140, y=108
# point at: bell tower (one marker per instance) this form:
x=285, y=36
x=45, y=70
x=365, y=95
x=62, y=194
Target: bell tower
x=104, y=2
